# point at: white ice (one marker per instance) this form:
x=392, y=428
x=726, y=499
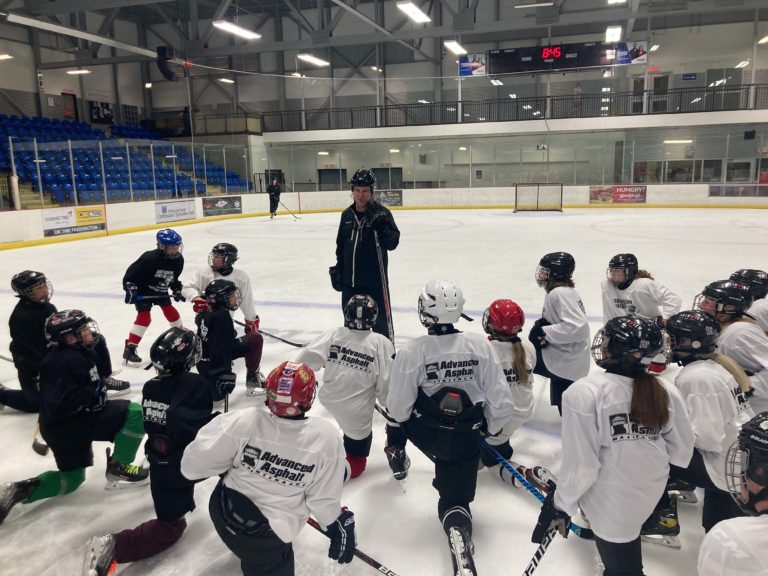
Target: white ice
x=489, y=253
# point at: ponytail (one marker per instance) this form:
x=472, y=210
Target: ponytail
x=736, y=371
x=519, y=367
x=650, y=402
x=643, y=274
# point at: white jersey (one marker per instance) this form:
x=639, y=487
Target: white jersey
x=464, y=361
x=716, y=410
x=522, y=394
x=567, y=354
x=735, y=547
x=644, y=298
x=205, y=276
x=759, y=311
x=747, y=345
x=616, y=471
x=288, y=468
x=357, y=365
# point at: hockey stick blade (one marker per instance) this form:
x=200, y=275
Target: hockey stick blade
x=39, y=447
x=362, y=555
x=287, y=210
x=467, y=318
x=585, y=533
x=294, y=344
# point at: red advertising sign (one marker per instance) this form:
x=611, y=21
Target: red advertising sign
x=617, y=194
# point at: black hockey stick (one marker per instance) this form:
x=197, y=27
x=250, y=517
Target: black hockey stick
x=289, y=212
x=38, y=445
x=467, y=318
x=362, y=555
x=294, y=344
x=384, y=289
x=539, y=554
x=585, y=533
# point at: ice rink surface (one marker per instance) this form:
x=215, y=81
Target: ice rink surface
x=490, y=253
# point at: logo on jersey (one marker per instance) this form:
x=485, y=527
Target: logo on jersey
x=509, y=374
x=350, y=358
x=622, y=428
x=624, y=304
x=164, y=279
x=154, y=411
x=742, y=403
x=447, y=371
x=270, y=466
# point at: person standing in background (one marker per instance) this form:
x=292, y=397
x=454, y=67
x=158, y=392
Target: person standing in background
x=274, y=196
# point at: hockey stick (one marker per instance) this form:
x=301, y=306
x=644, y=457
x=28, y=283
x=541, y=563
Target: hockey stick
x=289, y=212
x=6, y=358
x=539, y=554
x=294, y=344
x=467, y=318
x=362, y=555
x=384, y=289
x=226, y=403
x=39, y=446
x=585, y=533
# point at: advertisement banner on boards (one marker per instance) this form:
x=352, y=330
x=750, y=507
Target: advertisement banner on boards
x=218, y=205
x=174, y=210
x=389, y=197
x=74, y=220
x=617, y=194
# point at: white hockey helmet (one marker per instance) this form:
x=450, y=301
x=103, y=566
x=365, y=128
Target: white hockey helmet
x=440, y=302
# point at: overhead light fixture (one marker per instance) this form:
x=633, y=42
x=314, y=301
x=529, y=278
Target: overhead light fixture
x=742, y=64
x=6, y=57
x=413, y=12
x=323, y=153
x=454, y=47
x=297, y=75
x=607, y=73
x=654, y=48
x=313, y=60
x=78, y=72
x=147, y=85
x=513, y=96
x=616, y=2
x=376, y=69
x=605, y=99
x=463, y=148
x=605, y=89
x=603, y=108
x=226, y=80
x=763, y=40
x=527, y=107
x=536, y=113
x=695, y=100
x=497, y=82
x=678, y=141
x=394, y=150
x=236, y=30
x=534, y=5
x=613, y=33
x=423, y=101
x=451, y=109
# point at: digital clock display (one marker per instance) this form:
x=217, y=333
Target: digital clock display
x=551, y=52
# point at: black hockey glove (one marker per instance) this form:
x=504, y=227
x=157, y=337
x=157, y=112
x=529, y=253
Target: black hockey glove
x=376, y=215
x=343, y=538
x=178, y=296
x=335, y=274
x=131, y=293
x=537, y=336
x=550, y=518
x=225, y=384
x=176, y=287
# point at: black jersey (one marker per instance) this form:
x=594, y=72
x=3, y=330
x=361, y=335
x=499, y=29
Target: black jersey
x=175, y=407
x=70, y=385
x=217, y=333
x=28, y=342
x=154, y=274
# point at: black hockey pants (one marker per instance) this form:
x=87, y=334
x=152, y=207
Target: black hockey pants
x=621, y=559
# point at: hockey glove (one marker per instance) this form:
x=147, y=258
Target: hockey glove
x=178, y=296
x=225, y=384
x=343, y=538
x=176, y=287
x=335, y=274
x=550, y=518
x=537, y=336
x=252, y=325
x=199, y=304
x=131, y=293
x=375, y=215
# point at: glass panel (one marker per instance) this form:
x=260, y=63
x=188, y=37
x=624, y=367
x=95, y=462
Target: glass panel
x=739, y=171
x=679, y=171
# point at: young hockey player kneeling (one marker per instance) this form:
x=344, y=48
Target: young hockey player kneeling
x=357, y=363
x=75, y=412
x=277, y=467
x=176, y=405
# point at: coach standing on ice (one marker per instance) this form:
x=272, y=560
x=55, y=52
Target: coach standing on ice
x=366, y=232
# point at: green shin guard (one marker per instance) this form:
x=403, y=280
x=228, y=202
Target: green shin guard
x=55, y=483
x=130, y=436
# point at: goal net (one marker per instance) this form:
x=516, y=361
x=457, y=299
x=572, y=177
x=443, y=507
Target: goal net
x=538, y=196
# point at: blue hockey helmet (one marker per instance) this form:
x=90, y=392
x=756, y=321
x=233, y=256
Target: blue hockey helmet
x=169, y=241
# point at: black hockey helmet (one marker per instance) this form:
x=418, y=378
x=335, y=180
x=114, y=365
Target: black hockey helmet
x=24, y=283
x=362, y=178
x=69, y=322
x=757, y=280
x=555, y=266
x=692, y=331
x=746, y=465
x=360, y=312
x=724, y=297
x=176, y=350
x=627, y=340
x=219, y=294
x=228, y=253
x=626, y=263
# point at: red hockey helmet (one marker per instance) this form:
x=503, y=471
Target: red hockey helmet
x=291, y=389
x=503, y=319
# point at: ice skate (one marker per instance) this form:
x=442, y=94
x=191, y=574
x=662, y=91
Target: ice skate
x=121, y=475
x=399, y=463
x=130, y=356
x=461, y=551
x=11, y=493
x=663, y=527
x=254, y=383
x=99, y=556
x=684, y=491
x=117, y=387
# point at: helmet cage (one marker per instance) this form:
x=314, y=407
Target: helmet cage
x=219, y=295
x=542, y=275
x=692, y=331
x=228, y=253
x=27, y=282
x=71, y=323
x=627, y=264
x=628, y=340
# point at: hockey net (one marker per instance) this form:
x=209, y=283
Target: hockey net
x=539, y=196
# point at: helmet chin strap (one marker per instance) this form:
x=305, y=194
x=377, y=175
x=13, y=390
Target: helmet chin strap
x=441, y=330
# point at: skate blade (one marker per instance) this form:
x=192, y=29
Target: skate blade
x=403, y=484
x=116, y=393
x=111, y=569
x=466, y=567
x=255, y=391
x=668, y=540
x=123, y=485
x=685, y=497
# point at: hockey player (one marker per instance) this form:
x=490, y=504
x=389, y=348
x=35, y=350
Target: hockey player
x=445, y=388
x=146, y=284
x=75, y=412
x=277, y=468
x=736, y=547
x=561, y=335
x=367, y=231
x=176, y=404
x=757, y=280
x=628, y=291
x=221, y=344
x=357, y=362
x=741, y=338
x=621, y=431
x=713, y=387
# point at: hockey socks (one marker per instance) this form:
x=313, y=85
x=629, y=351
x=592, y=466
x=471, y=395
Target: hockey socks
x=172, y=315
x=130, y=436
x=147, y=539
x=55, y=483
